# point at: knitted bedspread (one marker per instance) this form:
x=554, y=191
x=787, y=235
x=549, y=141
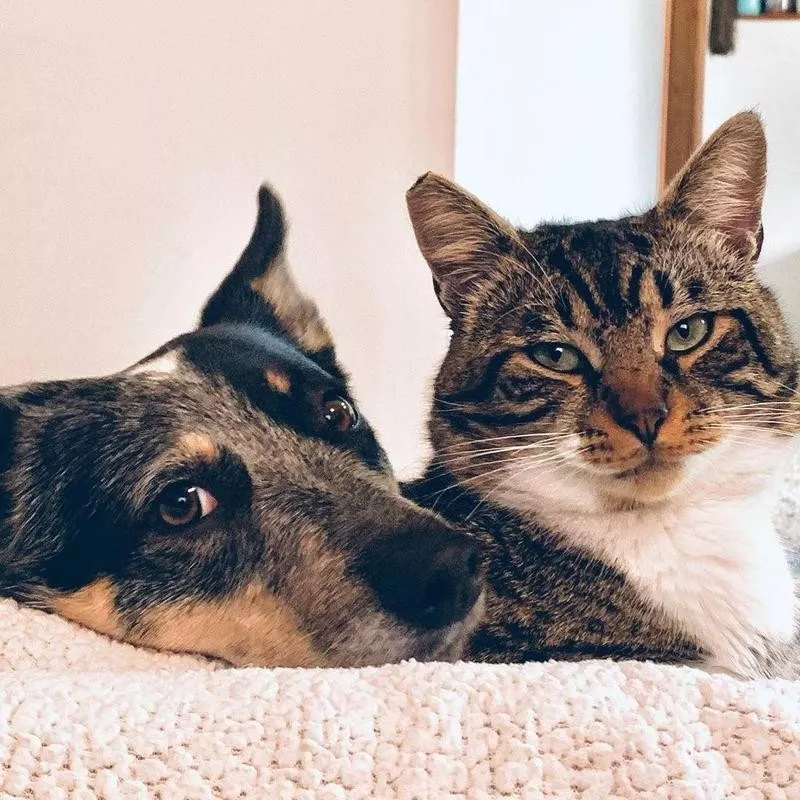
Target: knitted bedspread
x=83, y=717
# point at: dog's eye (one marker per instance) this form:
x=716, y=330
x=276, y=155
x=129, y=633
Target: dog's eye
x=181, y=504
x=339, y=414
x=689, y=333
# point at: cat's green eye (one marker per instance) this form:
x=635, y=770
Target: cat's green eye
x=689, y=333
x=556, y=356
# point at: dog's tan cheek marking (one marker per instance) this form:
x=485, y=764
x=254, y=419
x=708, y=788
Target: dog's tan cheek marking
x=198, y=445
x=277, y=381
x=92, y=606
x=251, y=629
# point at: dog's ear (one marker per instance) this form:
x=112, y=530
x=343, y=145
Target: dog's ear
x=9, y=411
x=260, y=290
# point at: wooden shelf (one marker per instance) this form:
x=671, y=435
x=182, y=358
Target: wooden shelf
x=771, y=15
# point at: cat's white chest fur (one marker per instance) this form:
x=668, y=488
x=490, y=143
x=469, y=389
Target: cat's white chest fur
x=709, y=557
x=717, y=568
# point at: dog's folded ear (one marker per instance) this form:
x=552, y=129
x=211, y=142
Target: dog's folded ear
x=260, y=290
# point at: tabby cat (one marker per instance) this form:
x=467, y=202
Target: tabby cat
x=616, y=399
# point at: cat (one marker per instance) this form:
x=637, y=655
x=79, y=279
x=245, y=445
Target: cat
x=608, y=420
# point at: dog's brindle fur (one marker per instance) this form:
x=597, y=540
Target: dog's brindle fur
x=306, y=559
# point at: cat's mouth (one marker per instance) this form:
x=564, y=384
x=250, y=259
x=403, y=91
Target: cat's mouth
x=652, y=480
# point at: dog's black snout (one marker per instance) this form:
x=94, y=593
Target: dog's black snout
x=428, y=578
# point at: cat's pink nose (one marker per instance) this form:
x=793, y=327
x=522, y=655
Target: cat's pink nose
x=645, y=422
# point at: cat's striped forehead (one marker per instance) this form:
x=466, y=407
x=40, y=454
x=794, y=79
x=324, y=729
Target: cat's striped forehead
x=591, y=280
x=597, y=275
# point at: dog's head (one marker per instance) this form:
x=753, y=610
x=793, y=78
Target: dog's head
x=224, y=496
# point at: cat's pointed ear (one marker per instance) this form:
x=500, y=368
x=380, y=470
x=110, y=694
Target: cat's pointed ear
x=459, y=237
x=721, y=187
x=260, y=289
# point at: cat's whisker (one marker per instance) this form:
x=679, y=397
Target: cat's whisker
x=538, y=264
x=754, y=416
x=462, y=459
x=472, y=442
x=745, y=438
x=462, y=462
x=755, y=404
x=468, y=485
x=757, y=409
x=473, y=482
x=439, y=466
x=535, y=445
x=790, y=389
x=450, y=406
x=755, y=412
x=566, y=458
x=537, y=460
x=765, y=423
x=749, y=420
x=754, y=429
x=507, y=459
x=444, y=402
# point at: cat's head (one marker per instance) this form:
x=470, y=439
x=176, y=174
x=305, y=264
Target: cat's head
x=611, y=363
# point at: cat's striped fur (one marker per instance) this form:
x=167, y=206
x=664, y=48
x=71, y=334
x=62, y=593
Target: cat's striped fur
x=624, y=502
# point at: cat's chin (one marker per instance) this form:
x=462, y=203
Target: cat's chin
x=646, y=485
x=724, y=471
x=588, y=492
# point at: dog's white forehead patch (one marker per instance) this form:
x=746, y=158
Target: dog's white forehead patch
x=165, y=364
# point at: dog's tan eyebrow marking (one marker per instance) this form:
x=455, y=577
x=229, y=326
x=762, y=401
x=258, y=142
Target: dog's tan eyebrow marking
x=277, y=381
x=93, y=606
x=198, y=445
x=252, y=628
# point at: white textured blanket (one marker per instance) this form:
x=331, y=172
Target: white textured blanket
x=81, y=717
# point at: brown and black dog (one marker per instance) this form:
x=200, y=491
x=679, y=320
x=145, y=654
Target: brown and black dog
x=223, y=496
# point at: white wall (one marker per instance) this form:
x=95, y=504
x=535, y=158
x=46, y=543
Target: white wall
x=763, y=72
x=558, y=107
x=133, y=137
x=558, y=104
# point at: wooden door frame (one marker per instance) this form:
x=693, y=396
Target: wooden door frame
x=685, y=38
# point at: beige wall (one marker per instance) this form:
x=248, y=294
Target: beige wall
x=133, y=137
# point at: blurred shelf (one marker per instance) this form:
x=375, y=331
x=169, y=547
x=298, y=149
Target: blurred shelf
x=771, y=15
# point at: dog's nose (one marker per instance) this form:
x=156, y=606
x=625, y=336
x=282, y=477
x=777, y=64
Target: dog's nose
x=428, y=578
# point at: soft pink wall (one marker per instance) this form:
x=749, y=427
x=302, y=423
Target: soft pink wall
x=133, y=137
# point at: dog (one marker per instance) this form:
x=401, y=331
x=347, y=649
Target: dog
x=224, y=496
